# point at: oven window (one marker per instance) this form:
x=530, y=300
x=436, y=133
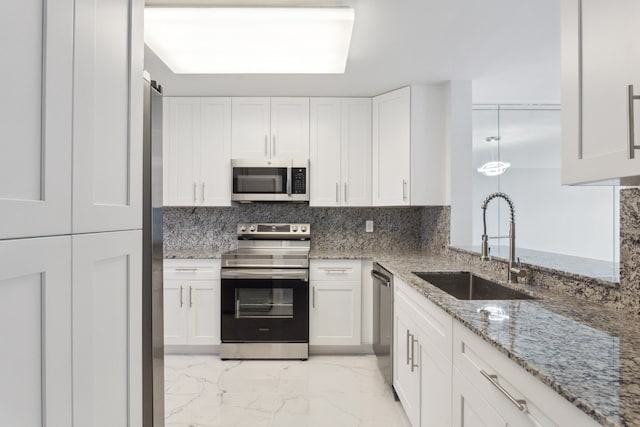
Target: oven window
x=264, y=303
x=259, y=180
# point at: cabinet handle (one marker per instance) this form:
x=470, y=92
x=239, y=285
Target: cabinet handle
x=313, y=297
x=274, y=146
x=345, y=192
x=337, y=193
x=266, y=146
x=202, y=198
x=194, y=191
x=408, y=352
x=493, y=379
x=186, y=269
x=190, y=297
x=413, y=353
x=335, y=270
x=180, y=296
x=404, y=190
x=632, y=144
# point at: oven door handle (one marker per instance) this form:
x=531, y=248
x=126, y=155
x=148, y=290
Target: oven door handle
x=265, y=273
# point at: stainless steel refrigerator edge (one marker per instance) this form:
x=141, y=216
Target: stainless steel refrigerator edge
x=152, y=259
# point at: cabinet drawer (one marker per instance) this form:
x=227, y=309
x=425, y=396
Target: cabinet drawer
x=343, y=270
x=434, y=324
x=192, y=269
x=473, y=356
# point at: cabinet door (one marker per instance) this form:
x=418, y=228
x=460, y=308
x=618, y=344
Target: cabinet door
x=469, y=407
x=175, y=312
x=35, y=326
x=182, y=152
x=251, y=128
x=107, y=115
x=406, y=375
x=204, y=312
x=107, y=329
x=290, y=128
x=356, y=152
x=335, y=316
x=435, y=379
x=35, y=118
x=215, y=152
x=325, y=152
x=392, y=148
x=600, y=58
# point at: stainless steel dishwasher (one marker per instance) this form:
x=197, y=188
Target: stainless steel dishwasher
x=383, y=321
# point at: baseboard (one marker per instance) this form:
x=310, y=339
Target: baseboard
x=340, y=349
x=191, y=349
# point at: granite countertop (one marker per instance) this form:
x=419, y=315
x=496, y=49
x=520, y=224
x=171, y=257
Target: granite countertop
x=586, y=353
x=192, y=254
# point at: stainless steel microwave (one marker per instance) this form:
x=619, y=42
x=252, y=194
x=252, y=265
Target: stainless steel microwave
x=256, y=180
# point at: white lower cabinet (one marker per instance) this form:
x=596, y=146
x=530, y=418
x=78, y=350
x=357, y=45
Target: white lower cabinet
x=422, y=357
x=336, y=303
x=522, y=400
x=191, y=302
x=107, y=329
x=470, y=409
x=445, y=375
x=35, y=326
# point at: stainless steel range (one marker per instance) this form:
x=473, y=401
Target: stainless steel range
x=265, y=293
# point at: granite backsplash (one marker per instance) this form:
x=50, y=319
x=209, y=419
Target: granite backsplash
x=399, y=228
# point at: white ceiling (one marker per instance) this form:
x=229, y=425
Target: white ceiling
x=509, y=48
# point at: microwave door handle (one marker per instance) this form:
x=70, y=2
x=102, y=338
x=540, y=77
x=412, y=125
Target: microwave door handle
x=289, y=181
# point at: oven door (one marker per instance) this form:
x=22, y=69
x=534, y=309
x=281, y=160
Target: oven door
x=265, y=305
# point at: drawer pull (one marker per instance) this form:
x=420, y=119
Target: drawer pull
x=493, y=379
x=335, y=270
x=186, y=269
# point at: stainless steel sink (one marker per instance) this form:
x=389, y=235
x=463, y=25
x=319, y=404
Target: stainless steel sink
x=468, y=286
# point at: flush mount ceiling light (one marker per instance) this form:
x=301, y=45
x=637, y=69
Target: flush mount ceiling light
x=250, y=40
x=493, y=168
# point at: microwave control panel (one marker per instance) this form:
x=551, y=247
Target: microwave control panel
x=299, y=178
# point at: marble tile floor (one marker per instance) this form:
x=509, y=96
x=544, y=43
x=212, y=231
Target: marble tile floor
x=324, y=391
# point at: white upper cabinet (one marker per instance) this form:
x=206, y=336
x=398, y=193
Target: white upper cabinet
x=392, y=148
x=107, y=115
x=409, y=147
x=270, y=128
x=600, y=79
x=197, y=147
x=251, y=134
x=290, y=128
x=36, y=117
x=325, y=152
x=356, y=152
x=340, y=152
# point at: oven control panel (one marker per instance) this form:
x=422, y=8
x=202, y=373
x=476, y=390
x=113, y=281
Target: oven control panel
x=274, y=231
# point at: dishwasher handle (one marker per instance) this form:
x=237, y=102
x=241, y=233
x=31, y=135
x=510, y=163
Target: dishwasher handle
x=386, y=281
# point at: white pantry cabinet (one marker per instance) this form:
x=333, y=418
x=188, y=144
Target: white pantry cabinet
x=191, y=303
x=270, y=128
x=107, y=326
x=36, y=117
x=35, y=326
x=197, y=151
x=340, y=152
x=107, y=115
x=335, y=306
x=600, y=90
x=409, y=165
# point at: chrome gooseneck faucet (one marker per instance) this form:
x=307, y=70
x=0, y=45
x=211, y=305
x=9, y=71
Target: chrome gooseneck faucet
x=514, y=266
